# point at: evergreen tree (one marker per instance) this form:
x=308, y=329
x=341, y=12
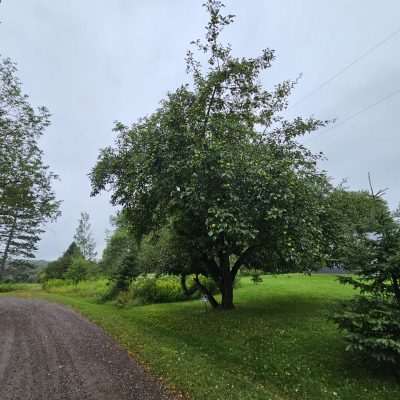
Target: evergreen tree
x=371, y=321
x=58, y=268
x=84, y=239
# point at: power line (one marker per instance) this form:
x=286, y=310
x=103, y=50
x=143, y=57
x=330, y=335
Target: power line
x=356, y=114
x=348, y=66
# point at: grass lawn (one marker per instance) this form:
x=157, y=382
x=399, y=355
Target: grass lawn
x=277, y=344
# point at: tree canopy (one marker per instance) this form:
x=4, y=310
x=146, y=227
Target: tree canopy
x=221, y=166
x=84, y=238
x=58, y=268
x=371, y=320
x=26, y=196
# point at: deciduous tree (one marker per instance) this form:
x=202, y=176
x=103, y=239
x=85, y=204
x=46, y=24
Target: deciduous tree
x=219, y=165
x=27, y=200
x=84, y=239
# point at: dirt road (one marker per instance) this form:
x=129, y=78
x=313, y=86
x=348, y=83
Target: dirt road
x=48, y=352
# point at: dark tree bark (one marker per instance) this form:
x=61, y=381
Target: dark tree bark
x=210, y=297
x=227, y=292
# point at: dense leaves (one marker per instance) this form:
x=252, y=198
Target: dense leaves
x=58, y=268
x=219, y=166
x=79, y=270
x=372, y=321
x=372, y=327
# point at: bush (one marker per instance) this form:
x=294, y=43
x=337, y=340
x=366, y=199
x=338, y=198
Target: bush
x=78, y=270
x=245, y=271
x=11, y=287
x=53, y=283
x=147, y=289
x=94, y=289
x=150, y=288
x=372, y=327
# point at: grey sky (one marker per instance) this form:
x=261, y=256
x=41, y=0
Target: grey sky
x=92, y=62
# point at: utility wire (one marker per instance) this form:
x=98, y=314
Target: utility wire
x=348, y=66
x=356, y=114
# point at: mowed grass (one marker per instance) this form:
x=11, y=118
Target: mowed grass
x=277, y=344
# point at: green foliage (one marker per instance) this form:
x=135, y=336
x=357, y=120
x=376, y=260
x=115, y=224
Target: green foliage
x=90, y=289
x=371, y=322
x=158, y=254
x=119, y=244
x=147, y=289
x=119, y=260
x=58, y=268
x=27, y=200
x=79, y=270
x=351, y=215
x=13, y=287
x=84, y=239
x=219, y=165
x=53, y=283
x=152, y=288
x=20, y=271
x=372, y=327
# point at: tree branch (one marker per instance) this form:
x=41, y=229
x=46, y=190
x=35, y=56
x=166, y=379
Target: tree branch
x=242, y=258
x=209, y=110
x=205, y=290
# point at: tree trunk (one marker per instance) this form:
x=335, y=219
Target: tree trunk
x=227, y=292
x=206, y=292
x=7, y=249
x=396, y=288
x=226, y=284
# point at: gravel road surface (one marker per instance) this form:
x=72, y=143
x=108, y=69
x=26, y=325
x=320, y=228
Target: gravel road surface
x=48, y=352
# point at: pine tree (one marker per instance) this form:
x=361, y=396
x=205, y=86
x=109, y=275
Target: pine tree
x=84, y=239
x=371, y=320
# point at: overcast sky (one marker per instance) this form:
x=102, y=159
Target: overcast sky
x=93, y=62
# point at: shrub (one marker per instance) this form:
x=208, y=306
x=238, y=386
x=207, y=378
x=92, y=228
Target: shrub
x=371, y=326
x=53, y=283
x=147, y=289
x=79, y=270
x=150, y=288
x=94, y=289
x=11, y=287
x=246, y=271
